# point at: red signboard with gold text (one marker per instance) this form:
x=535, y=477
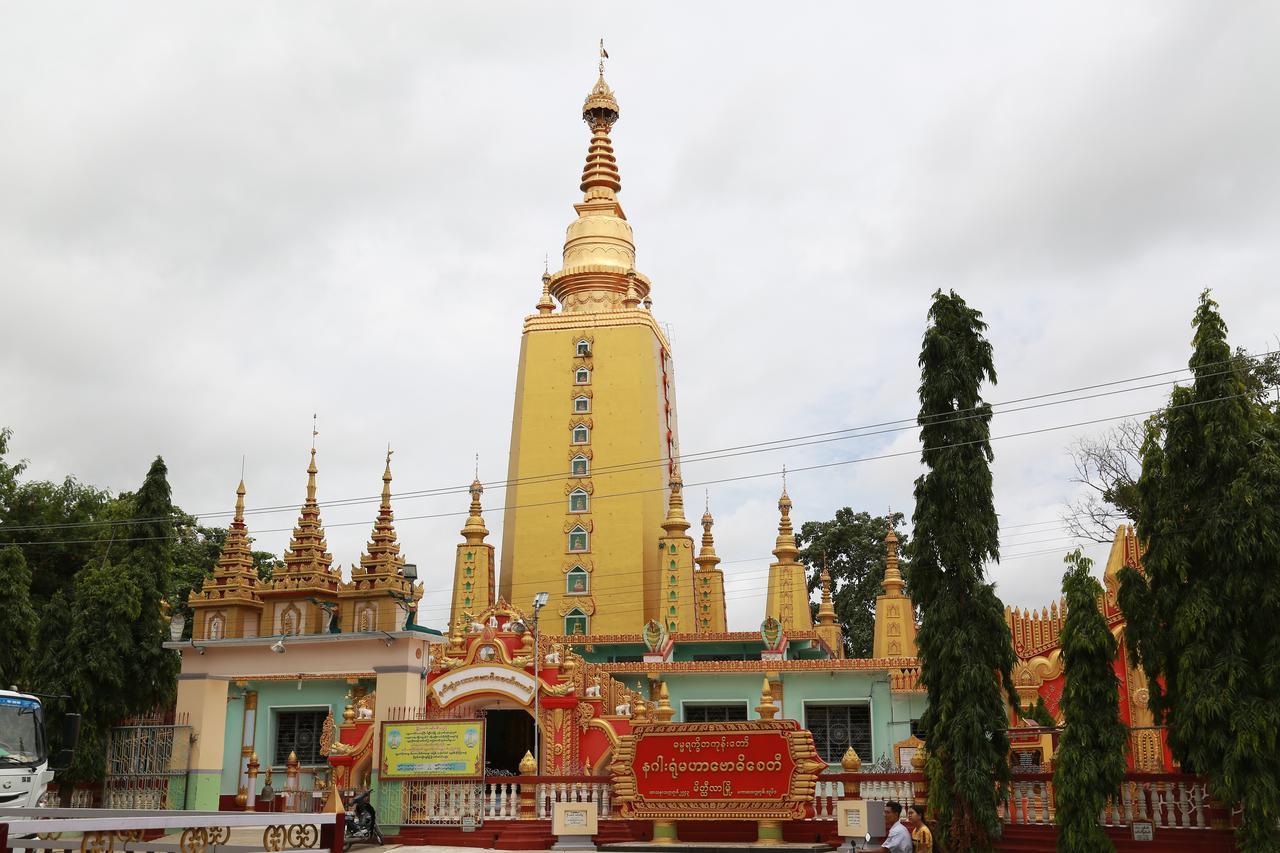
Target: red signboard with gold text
x=762, y=769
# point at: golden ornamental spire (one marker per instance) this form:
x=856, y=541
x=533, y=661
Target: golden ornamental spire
x=474, y=530
x=707, y=558
x=308, y=552
x=675, y=523
x=382, y=555
x=826, y=610
x=785, y=548
x=236, y=558
x=893, y=582
x=599, y=248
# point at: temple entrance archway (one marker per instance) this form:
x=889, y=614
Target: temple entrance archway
x=509, y=734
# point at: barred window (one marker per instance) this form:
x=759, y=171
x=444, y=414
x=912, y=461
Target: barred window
x=730, y=712
x=299, y=731
x=835, y=728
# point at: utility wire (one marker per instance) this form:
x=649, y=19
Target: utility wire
x=739, y=478
x=702, y=456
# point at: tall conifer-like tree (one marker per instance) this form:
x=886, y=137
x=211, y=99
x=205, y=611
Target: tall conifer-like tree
x=1090, y=762
x=965, y=648
x=98, y=677
x=17, y=618
x=149, y=562
x=1203, y=620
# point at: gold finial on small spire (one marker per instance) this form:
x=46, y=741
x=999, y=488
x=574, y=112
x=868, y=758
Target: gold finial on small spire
x=893, y=582
x=767, y=709
x=675, y=523
x=604, y=54
x=314, y=431
x=707, y=558
x=826, y=610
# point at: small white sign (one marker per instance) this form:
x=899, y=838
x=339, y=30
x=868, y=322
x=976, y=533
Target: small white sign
x=1143, y=830
x=484, y=678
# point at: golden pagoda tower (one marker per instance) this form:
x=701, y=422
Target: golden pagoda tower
x=828, y=627
x=594, y=425
x=374, y=598
x=473, y=586
x=675, y=563
x=227, y=605
x=709, y=582
x=308, y=574
x=788, y=598
x=895, y=631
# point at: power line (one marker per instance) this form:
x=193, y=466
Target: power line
x=739, y=478
x=702, y=456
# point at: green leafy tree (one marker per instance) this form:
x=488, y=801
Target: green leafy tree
x=1090, y=763
x=1108, y=465
x=9, y=473
x=94, y=664
x=965, y=648
x=149, y=563
x=59, y=518
x=1203, y=619
x=17, y=618
x=852, y=545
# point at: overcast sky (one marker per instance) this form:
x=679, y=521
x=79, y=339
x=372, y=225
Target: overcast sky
x=219, y=218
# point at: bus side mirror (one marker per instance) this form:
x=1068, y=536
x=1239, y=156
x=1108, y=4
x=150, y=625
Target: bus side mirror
x=70, y=737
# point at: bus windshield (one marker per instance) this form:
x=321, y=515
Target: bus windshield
x=21, y=731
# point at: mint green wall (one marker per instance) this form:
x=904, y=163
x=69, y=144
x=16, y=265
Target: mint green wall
x=273, y=695
x=890, y=715
x=712, y=688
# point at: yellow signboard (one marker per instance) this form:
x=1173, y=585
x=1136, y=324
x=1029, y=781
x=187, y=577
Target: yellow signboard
x=433, y=749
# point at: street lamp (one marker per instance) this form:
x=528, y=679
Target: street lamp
x=539, y=601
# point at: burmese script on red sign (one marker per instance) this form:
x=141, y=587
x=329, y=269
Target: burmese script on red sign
x=739, y=766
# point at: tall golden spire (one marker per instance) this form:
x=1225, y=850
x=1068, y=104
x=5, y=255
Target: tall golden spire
x=707, y=558
x=308, y=552
x=382, y=555
x=895, y=625
x=599, y=248
x=785, y=546
x=709, y=582
x=675, y=523
x=474, y=530
x=236, y=558
x=893, y=582
x=828, y=627
x=826, y=610
x=228, y=605
x=788, y=598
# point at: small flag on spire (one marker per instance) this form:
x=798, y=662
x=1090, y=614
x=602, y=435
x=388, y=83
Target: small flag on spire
x=604, y=54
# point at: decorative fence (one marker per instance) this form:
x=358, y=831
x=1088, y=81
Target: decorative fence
x=1168, y=800
x=147, y=766
x=452, y=802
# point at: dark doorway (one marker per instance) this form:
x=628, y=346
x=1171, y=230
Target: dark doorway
x=508, y=736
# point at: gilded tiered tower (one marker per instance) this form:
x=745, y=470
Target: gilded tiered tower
x=709, y=585
x=228, y=605
x=788, y=598
x=594, y=426
x=293, y=603
x=375, y=597
x=895, y=630
x=473, y=586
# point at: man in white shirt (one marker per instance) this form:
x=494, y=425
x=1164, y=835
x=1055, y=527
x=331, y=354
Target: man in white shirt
x=899, y=839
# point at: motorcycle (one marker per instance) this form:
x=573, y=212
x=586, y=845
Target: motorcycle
x=362, y=823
